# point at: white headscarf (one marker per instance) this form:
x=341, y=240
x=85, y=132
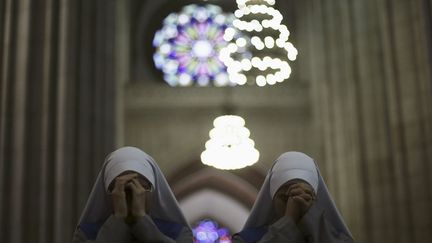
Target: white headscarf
x=163, y=206
x=293, y=165
x=127, y=160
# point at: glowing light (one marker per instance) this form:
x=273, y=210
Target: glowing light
x=229, y=34
x=261, y=81
x=271, y=79
x=241, y=79
x=208, y=231
x=185, y=79
x=221, y=79
x=255, y=40
x=269, y=42
x=246, y=64
x=241, y=42
x=202, y=49
x=272, y=69
x=256, y=62
x=238, y=13
x=229, y=146
x=260, y=46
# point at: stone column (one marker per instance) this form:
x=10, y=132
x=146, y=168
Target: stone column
x=56, y=113
x=370, y=74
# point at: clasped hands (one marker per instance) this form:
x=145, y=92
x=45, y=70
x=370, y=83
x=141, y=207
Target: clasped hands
x=129, y=198
x=300, y=197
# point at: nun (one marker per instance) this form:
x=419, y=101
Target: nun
x=131, y=202
x=294, y=206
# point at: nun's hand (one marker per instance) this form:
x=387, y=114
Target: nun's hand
x=138, y=198
x=300, y=198
x=118, y=196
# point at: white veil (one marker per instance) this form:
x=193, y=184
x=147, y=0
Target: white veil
x=263, y=212
x=164, y=206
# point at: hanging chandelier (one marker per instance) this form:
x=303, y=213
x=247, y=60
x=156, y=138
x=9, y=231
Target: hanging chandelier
x=263, y=35
x=229, y=147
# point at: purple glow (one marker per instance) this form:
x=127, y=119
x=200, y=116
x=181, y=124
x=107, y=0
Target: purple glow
x=208, y=231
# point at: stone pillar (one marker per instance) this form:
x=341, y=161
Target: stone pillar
x=56, y=112
x=372, y=90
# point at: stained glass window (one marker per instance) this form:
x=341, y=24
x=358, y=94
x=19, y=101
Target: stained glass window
x=188, y=46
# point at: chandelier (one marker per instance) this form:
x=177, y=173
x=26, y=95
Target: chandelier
x=229, y=146
x=265, y=37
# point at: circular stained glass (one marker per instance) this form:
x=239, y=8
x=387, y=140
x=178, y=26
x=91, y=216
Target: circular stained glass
x=188, y=46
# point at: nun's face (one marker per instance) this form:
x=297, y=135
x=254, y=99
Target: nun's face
x=281, y=196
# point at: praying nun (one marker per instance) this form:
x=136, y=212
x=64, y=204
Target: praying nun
x=131, y=201
x=294, y=206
